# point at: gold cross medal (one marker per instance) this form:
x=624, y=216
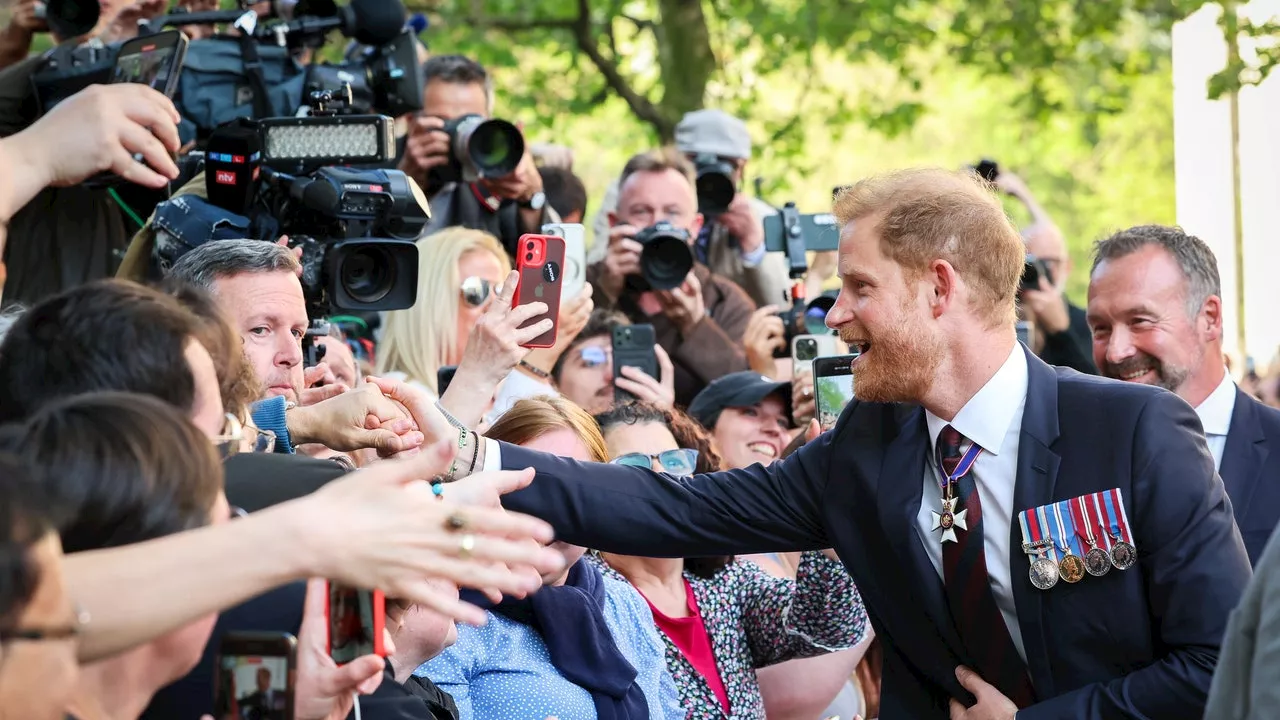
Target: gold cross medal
x=948, y=520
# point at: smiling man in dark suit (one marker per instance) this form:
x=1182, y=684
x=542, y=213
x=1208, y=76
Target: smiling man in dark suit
x=1155, y=309
x=948, y=559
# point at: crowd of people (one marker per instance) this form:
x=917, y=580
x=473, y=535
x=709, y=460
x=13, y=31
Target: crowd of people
x=554, y=539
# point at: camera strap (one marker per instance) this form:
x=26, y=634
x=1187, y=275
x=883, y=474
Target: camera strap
x=253, y=66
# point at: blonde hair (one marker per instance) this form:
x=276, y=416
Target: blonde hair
x=531, y=418
x=928, y=214
x=418, y=341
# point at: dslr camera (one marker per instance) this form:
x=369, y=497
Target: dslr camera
x=1032, y=271
x=805, y=319
x=714, y=184
x=665, y=260
x=480, y=148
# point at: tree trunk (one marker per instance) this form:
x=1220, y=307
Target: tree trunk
x=686, y=59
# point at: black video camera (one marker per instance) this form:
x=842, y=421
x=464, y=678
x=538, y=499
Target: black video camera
x=480, y=148
x=715, y=185
x=665, y=260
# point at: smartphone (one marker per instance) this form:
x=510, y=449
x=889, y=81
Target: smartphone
x=357, y=619
x=540, y=260
x=1025, y=330
x=444, y=376
x=833, y=387
x=153, y=60
x=806, y=348
x=575, y=255
x=633, y=346
x=254, y=675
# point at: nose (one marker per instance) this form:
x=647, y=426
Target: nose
x=840, y=313
x=289, y=353
x=1119, y=346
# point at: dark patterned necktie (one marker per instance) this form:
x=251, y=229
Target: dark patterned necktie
x=973, y=606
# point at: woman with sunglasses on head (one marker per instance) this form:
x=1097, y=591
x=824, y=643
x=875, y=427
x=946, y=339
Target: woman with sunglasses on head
x=581, y=648
x=463, y=318
x=720, y=618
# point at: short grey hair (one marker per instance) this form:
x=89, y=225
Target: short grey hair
x=223, y=258
x=1196, y=261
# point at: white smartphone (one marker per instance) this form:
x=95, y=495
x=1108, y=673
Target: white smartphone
x=807, y=348
x=575, y=256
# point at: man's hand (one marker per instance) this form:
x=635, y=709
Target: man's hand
x=1012, y=184
x=323, y=690
x=26, y=19
x=1046, y=308
x=61, y=149
x=521, y=184
x=621, y=259
x=355, y=420
x=422, y=408
x=319, y=384
x=660, y=391
x=742, y=223
x=684, y=305
x=991, y=704
x=765, y=333
x=803, y=403
x=426, y=147
x=124, y=26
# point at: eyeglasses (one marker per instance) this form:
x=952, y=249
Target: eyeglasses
x=681, y=462
x=475, y=291
x=237, y=437
x=594, y=356
x=66, y=632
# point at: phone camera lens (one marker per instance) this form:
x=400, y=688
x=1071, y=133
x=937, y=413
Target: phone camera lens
x=530, y=245
x=529, y=257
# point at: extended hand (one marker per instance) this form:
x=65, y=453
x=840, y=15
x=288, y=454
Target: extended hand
x=991, y=704
x=684, y=305
x=323, y=690
x=355, y=420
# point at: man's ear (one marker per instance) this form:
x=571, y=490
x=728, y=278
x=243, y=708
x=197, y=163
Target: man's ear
x=613, y=219
x=695, y=227
x=1211, y=314
x=944, y=281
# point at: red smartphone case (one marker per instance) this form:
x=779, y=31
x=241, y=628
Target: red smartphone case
x=541, y=271
x=379, y=622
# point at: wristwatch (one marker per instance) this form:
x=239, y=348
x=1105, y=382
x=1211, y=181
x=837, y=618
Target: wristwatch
x=535, y=202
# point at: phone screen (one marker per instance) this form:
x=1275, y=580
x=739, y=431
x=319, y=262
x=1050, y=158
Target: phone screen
x=834, y=392
x=352, y=629
x=150, y=65
x=252, y=687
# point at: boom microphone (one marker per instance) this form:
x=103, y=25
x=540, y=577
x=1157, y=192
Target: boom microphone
x=231, y=164
x=371, y=22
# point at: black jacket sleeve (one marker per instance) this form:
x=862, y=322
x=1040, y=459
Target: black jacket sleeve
x=1071, y=347
x=417, y=699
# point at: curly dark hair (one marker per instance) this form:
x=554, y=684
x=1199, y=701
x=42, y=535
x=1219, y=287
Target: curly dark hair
x=688, y=434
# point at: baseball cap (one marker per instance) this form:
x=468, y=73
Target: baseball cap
x=740, y=389
x=715, y=132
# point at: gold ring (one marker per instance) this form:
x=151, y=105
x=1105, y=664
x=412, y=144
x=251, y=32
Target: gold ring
x=456, y=521
x=466, y=544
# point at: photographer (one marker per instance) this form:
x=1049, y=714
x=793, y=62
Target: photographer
x=1061, y=334
x=699, y=322
x=506, y=207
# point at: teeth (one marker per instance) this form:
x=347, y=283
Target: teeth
x=763, y=449
x=1134, y=375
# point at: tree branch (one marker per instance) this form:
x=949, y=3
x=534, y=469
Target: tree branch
x=509, y=24
x=640, y=105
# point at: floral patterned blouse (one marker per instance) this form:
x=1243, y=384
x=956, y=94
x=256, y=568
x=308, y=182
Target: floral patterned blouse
x=755, y=620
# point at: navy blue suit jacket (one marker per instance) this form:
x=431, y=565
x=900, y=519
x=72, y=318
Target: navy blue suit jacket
x=1140, y=643
x=1251, y=471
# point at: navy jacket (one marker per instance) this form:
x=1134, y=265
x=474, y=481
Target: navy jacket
x=1139, y=643
x=1251, y=471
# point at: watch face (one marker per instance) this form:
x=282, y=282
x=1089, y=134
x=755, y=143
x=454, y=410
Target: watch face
x=537, y=201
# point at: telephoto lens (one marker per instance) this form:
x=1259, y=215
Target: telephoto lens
x=665, y=260
x=714, y=184
x=484, y=148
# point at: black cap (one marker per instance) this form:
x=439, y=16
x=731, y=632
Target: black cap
x=740, y=389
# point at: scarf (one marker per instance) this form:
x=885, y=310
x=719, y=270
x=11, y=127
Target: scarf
x=570, y=619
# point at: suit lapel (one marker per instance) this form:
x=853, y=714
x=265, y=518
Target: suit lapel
x=1037, y=475
x=898, y=495
x=1244, y=455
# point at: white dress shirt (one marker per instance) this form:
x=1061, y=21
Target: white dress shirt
x=1215, y=415
x=993, y=420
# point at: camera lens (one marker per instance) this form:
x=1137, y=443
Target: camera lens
x=665, y=261
x=806, y=350
x=529, y=245
x=367, y=274
x=528, y=257
x=495, y=148
x=715, y=192
x=815, y=315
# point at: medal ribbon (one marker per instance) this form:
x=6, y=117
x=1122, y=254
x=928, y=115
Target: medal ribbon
x=1116, y=515
x=1043, y=521
x=966, y=464
x=1083, y=526
x=1066, y=529
x=1094, y=501
x=1030, y=530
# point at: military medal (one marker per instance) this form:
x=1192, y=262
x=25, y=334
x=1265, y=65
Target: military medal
x=1043, y=571
x=1096, y=561
x=1071, y=567
x=1123, y=552
x=949, y=519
